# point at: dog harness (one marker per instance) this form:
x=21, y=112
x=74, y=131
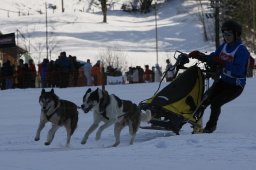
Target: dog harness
x=103, y=104
x=48, y=116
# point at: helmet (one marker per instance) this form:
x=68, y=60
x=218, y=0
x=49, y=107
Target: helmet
x=233, y=26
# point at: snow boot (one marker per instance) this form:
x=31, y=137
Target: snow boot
x=209, y=128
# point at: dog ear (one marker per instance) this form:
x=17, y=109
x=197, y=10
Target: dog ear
x=52, y=91
x=43, y=91
x=88, y=91
x=100, y=93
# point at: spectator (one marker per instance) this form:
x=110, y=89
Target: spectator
x=250, y=67
x=63, y=66
x=26, y=76
x=51, y=75
x=96, y=73
x=135, y=75
x=169, y=71
x=147, y=74
x=7, y=73
x=158, y=73
x=20, y=73
x=128, y=75
x=1, y=79
x=42, y=70
x=153, y=73
x=88, y=72
x=75, y=70
x=141, y=74
x=32, y=70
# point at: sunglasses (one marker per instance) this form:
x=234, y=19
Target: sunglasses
x=227, y=34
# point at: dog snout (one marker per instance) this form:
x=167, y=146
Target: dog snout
x=86, y=109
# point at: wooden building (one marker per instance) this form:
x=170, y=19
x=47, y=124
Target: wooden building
x=9, y=50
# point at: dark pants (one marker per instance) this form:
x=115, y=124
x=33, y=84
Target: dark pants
x=219, y=94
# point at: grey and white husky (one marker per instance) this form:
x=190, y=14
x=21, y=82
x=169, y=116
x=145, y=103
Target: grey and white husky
x=112, y=110
x=59, y=113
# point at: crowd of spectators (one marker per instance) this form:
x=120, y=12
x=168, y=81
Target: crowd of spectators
x=66, y=71
x=22, y=76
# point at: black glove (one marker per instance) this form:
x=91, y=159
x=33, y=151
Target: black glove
x=196, y=55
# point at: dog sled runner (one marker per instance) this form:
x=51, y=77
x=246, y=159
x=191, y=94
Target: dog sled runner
x=177, y=103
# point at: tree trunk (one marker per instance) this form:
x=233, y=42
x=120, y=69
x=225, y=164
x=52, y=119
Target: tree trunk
x=217, y=24
x=104, y=10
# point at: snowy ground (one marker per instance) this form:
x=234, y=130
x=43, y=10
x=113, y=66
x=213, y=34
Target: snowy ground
x=232, y=146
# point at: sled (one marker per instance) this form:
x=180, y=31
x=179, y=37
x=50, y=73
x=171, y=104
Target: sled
x=156, y=128
x=178, y=103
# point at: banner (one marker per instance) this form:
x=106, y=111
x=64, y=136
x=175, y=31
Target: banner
x=7, y=40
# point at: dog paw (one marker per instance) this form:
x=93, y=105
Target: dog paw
x=97, y=137
x=83, y=142
x=47, y=143
x=115, y=144
x=37, y=139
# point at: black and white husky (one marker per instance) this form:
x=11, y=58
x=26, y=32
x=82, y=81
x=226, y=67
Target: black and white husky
x=59, y=113
x=112, y=110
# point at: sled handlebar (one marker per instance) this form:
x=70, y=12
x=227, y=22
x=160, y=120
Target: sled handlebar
x=181, y=60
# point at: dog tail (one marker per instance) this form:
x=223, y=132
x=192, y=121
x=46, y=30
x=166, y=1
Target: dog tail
x=145, y=116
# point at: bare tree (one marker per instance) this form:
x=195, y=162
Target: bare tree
x=113, y=57
x=53, y=44
x=38, y=48
x=39, y=45
x=202, y=19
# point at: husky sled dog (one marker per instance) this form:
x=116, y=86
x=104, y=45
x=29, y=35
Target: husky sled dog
x=112, y=110
x=59, y=113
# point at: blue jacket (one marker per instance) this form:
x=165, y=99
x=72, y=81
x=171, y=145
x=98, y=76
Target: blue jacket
x=235, y=58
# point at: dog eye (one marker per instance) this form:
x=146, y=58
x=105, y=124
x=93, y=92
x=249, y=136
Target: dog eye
x=47, y=101
x=89, y=101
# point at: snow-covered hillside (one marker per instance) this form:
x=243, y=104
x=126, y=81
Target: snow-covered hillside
x=84, y=35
